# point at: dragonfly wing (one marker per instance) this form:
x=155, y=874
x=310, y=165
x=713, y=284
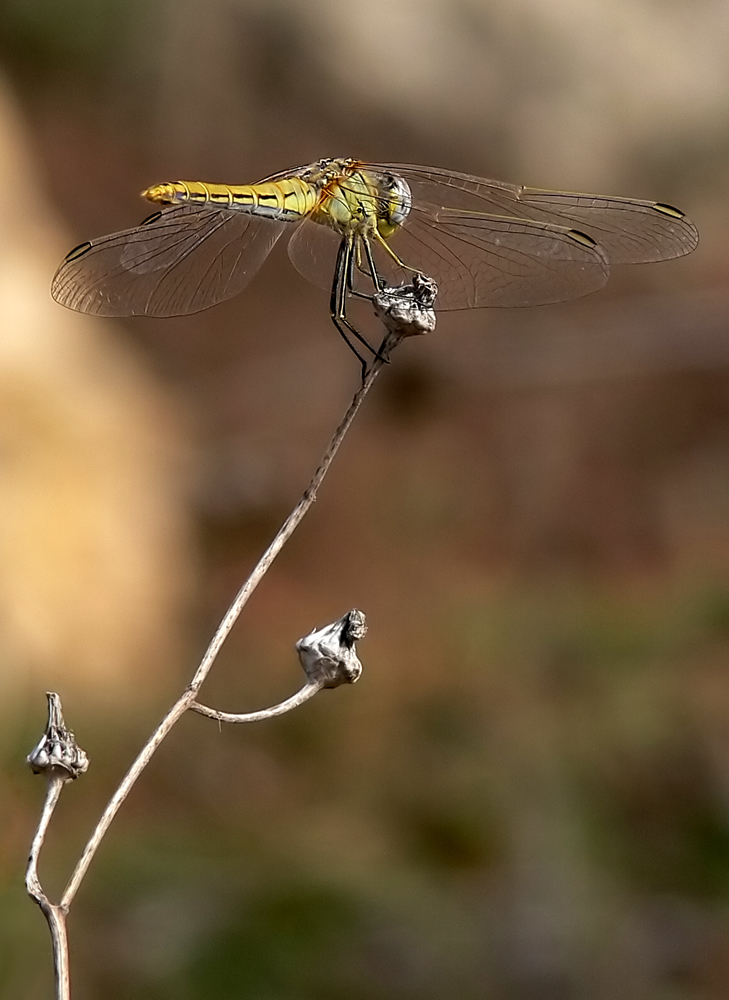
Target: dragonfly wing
x=631, y=231
x=181, y=260
x=482, y=260
x=313, y=252
x=476, y=260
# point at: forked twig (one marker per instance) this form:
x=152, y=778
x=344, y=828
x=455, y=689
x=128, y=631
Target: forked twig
x=328, y=655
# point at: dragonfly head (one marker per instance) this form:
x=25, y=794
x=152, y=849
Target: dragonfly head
x=395, y=204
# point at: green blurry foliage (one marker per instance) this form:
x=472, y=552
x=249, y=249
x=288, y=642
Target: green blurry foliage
x=303, y=859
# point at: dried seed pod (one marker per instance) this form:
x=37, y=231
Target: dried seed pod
x=407, y=310
x=328, y=655
x=58, y=749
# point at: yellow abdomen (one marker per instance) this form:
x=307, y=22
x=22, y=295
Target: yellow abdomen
x=286, y=200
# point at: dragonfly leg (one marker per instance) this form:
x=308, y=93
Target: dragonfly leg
x=338, y=301
x=388, y=249
x=370, y=271
x=378, y=280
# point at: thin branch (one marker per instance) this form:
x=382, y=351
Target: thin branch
x=32, y=882
x=141, y=761
x=188, y=697
x=301, y=696
x=327, y=655
x=292, y=521
x=55, y=915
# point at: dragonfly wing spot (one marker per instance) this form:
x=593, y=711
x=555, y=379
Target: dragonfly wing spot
x=675, y=213
x=77, y=252
x=583, y=238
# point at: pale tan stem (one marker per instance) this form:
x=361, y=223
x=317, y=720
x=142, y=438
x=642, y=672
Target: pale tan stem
x=301, y=696
x=292, y=521
x=55, y=915
x=187, y=699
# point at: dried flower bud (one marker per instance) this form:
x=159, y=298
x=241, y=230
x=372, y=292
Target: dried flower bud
x=407, y=310
x=328, y=655
x=354, y=628
x=58, y=749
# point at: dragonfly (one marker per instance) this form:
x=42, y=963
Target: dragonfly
x=357, y=228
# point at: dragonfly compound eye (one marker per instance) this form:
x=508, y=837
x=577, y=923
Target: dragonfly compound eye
x=396, y=204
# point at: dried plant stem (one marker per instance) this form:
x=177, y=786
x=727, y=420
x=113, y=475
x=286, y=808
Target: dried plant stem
x=54, y=914
x=307, y=691
x=327, y=654
x=187, y=699
x=292, y=521
x=141, y=761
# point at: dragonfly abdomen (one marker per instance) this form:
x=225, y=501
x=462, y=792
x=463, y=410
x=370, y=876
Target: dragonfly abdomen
x=286, y=200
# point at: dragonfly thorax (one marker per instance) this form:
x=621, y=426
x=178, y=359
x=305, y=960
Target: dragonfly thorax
x=362, y=202
x=349, y=206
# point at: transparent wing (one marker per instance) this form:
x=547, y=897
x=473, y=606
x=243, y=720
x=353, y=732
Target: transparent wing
x=490, y=261
x=313, y=252
x=476, y=260
x=181, y=260
x=629, y=230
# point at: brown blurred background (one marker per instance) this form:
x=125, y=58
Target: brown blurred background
x=527, y=795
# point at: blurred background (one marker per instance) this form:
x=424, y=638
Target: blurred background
x=527, y=794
